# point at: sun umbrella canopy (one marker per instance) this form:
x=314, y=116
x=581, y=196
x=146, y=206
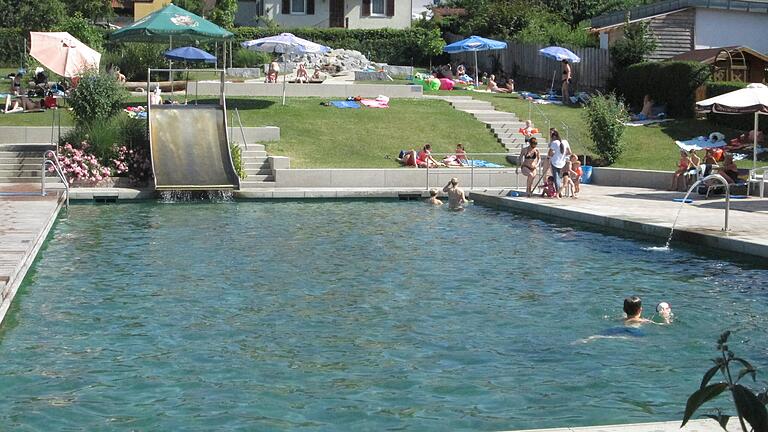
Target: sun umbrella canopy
x=559, y=54
x=170, y=21
x=753, y=98
x=474, y=43
x=750, y=100
x=285, y=43
x=62, y=53
x=189, y=54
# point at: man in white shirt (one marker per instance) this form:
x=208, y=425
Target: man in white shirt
x=559, y=152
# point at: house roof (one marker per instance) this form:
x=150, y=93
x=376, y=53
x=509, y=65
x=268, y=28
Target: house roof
x=708, y=55
x=667, y=6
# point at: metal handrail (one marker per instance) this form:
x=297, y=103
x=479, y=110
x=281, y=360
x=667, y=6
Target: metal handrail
x=242, y=131
x=49, y=157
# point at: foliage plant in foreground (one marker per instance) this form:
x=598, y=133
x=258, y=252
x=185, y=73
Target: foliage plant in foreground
x=97, y=97
x=237, y=160
x=750, y=407
x=605, y=116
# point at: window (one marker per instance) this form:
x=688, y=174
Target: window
x=377, y=7
x=298, y=7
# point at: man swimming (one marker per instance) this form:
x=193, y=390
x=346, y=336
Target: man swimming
x=633, y=307
x=456, y=197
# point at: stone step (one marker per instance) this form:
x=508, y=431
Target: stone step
x=505, y=125
x=27, y=147
x=258, y=172
x=20, y=154
x=258, y=181
x=29, y=180
x=256, y=153
x=20, y=166
x=496, y=119
x=20, y=173
x=472, y=105
x=22, y=160
x=255, y=161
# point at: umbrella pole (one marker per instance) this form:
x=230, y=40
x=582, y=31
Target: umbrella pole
x=754, y=143
x=285, y=72
x=477, y=74
x=170, y=65
x=186, y=88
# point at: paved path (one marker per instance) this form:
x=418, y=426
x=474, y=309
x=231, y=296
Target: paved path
x=652, y=212
x=24, y=224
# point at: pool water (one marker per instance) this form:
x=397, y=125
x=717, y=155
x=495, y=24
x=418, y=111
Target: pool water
x=358, y=315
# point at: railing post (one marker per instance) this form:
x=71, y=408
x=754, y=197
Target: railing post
x=417, y=165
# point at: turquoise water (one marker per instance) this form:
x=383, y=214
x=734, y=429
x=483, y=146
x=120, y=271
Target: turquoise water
x=357, y=316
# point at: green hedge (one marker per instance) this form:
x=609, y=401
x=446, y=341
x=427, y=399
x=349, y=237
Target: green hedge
x=11, y=46
x=406, y=47
x=668, y=83
x=735, y=121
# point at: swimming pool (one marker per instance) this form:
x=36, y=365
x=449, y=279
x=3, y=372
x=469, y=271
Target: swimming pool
x=357, y=315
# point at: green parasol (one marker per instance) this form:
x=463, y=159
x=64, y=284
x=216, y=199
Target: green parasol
x=170, y=23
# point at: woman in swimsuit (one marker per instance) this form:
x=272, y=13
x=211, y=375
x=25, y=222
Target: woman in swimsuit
x=566, y=81
x=493, y=87
x=530, y=158
x=682, y=167
x=461, y=155
x=425, y=159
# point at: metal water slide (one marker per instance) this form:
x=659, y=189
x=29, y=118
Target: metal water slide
x=190, y=147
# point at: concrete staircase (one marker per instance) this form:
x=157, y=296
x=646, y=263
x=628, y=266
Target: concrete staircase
x=257, y=168
x=21, y=163
x=503, y=125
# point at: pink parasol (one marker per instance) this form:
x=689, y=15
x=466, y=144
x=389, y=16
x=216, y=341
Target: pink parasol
x=63, y=54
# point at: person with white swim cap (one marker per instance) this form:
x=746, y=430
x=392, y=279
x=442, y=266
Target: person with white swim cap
x=665, y=312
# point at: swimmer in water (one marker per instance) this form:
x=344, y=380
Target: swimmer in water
x=664, y=310
x=433, y=200
x=633, y=307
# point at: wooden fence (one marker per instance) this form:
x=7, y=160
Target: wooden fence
x=532, y=70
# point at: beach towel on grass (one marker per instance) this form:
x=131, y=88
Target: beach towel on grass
x=699, y=143
x=477, y=163
x=374, y=103
x=345, y=104
x=645, y=122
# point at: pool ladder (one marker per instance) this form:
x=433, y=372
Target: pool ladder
x=50, y=158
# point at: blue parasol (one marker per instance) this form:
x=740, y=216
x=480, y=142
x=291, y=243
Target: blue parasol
x=474, y=44
x=189, y=53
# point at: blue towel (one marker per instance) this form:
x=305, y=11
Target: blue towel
x=484, y=164
x=345, y=104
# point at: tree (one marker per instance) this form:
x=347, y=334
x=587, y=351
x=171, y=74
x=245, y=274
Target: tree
x=82, y=29
x=500, y=19
x=605, y=116
x=41, y=15
x=93, y=10
x=224, y=12
x=637, y=43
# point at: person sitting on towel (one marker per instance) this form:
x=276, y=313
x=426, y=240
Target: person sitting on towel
x=301, y=74
x=493, y=87
x=20, y=105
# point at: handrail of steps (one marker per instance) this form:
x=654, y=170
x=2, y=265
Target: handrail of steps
x=50, y=158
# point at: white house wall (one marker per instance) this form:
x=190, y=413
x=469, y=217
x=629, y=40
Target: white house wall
x=718, y=28
x=352, y=12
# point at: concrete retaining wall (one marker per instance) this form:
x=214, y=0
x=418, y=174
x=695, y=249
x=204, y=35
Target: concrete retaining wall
x=28, y=134
x=395, y=177
x=307, y=90
x=255, y=134
x=631, y=178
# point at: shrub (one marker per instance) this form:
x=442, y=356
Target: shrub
x=633, y=48
x=397, y=47
x=716, y=88
x=135, y=58
x=548, y=28
x=80, y=165
x=671, y=83
x=248, y=58
x=605, y=116
x=750, y=406
x=237, y=160
x=97, y=98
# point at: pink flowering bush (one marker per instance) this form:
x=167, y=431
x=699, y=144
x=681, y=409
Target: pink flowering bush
x=80, y=166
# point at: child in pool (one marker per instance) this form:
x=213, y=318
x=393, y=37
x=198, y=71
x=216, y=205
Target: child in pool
x=664, y=310
x=433, y=200
x=633, y=307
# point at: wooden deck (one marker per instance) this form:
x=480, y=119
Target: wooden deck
x=24, y=225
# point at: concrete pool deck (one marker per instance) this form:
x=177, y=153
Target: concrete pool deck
x=650, y=212
x=26, y=221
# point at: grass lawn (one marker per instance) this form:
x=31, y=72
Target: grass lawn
x=315, y=136
x=646, y=147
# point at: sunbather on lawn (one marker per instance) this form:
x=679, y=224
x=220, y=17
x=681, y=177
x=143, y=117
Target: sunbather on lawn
x=20, y=105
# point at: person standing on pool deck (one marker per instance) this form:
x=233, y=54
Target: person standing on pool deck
x=456, y=197
x=559, y=151
x=633, y=307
